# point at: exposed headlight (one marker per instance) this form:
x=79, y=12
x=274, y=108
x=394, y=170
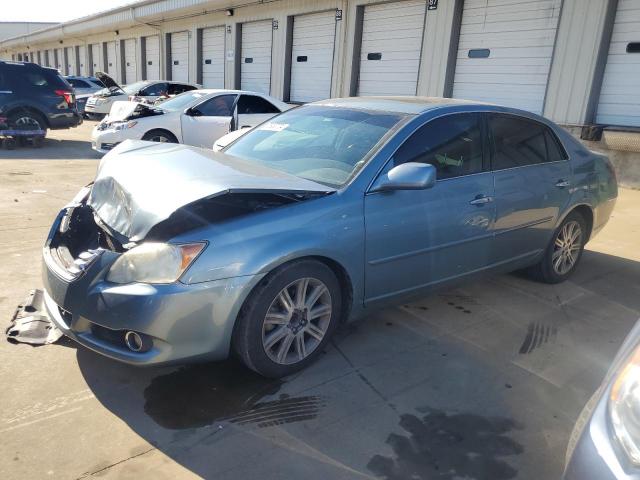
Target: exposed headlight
x=123, y=125
x=624, y=407
x=101, y=100
x=154, y=263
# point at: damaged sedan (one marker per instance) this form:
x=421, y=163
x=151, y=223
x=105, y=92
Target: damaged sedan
x=197, y=118
x=322, y=214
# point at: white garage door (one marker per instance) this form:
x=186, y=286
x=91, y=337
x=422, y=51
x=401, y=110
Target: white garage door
x=180, y=56
x=82, y=53
x=152, y=57
x=505, y=51
x=60, y=59
x=391, y=45
x=620, y=94
x=71, y=61
x=130, y=71
x=213, y=57
x=255, y=67
x=111, y=65
x=312, y=56
x=96, y=58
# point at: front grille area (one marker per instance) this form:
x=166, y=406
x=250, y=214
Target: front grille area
x=113, y=337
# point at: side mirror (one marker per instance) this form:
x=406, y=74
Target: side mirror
x=406, y=176
x=193, y=112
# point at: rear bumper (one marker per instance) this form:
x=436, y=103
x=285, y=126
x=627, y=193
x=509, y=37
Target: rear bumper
x=70, y=119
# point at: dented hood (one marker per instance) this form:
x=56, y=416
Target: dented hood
x=140, y=184
x=124, y=109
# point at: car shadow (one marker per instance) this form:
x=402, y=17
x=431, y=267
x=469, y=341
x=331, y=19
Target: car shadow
x=392, y=397
x=52, y=149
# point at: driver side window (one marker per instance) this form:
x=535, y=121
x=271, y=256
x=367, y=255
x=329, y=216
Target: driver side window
x=220, y=106
x=452, y=144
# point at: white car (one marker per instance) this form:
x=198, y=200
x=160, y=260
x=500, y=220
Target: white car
x=195, y=118
x=100, y=103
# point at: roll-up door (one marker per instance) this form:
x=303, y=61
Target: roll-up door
x=391, y=48
x=312, y=56
x=130, y=70
x=255, y=66
x=505, y=51
x=180, y=56
x=82, y=53
x=71, y=61
x=111, y=64
x=620, y=93
x=152, y=57
x=213, y=57
x=60, y=59
x=96, y=58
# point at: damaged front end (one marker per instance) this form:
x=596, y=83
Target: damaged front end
x=124, y=115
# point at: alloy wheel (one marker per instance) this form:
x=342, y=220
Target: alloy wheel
x=296, y=321
x=27, y=123
x=567, y=247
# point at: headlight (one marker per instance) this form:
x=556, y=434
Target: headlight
x=124, y=125
x=100, y=101
x=154, y=263
x=624, y=408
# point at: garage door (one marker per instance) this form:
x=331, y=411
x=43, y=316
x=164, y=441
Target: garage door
x=391, y=45
x=82, y=53
x=312, y=56
x=255, y=66
x=180, y=56
x=213, y=57
x=96, y=55
x=620, y=94
x=505, y=51
x=71, y=61
x=130, y=71
x=111, y=65
x=152, y=57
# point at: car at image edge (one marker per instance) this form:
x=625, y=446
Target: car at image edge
x=197, y=117
x=321, y=214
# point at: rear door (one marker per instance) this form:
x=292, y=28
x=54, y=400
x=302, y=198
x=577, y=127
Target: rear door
x=252, y=110
x=532, y=184
x=206, y=122
x=417, y=239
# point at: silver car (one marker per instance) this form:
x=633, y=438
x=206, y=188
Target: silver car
x=605, y=443
x=322, y=214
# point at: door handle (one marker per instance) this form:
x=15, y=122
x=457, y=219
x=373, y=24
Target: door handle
x=481, y=200
x=562, y=183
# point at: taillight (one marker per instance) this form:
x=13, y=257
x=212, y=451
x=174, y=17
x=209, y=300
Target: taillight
x=67, y=95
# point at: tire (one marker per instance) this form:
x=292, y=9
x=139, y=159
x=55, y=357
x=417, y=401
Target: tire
x=158, y=134
x=260, y=343
x=26, y=120
x=547, y=269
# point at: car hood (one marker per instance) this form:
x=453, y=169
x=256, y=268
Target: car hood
x=140, y=184
x=108, y=82
x=122, y=110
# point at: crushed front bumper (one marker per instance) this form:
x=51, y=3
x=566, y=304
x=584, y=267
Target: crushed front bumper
x=184, y=321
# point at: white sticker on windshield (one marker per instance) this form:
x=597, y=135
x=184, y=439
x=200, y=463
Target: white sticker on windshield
x=273, y=127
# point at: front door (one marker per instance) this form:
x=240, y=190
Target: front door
x=416, y=239
x=532, y=185
x=203, y=124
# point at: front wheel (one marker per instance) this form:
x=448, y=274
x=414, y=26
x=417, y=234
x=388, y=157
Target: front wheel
x=288, y=318
x=161, y=136
x=564, y=252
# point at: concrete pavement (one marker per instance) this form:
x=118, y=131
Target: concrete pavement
x=482, y=381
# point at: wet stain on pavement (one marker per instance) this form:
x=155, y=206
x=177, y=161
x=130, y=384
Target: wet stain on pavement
x=200, y=395
x=538, y=333
x=449, y=446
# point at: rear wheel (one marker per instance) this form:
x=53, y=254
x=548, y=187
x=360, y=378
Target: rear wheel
x=288, y=318
x=161, y=136
x=564, y=251
x=26, y=120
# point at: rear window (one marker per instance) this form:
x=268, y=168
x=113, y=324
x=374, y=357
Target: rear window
x=76, y=83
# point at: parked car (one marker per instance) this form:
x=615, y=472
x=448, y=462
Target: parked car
x=84, y=85
x=319, y=215
x=35, y=98
x=226, y=140
x=605, y=442
x=100, y=103
x=197, y=118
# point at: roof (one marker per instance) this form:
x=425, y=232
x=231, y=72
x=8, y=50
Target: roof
x=407, y=105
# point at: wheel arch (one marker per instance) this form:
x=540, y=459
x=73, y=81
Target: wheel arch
x=586, y=211
x=30, y=109
x=163, y=130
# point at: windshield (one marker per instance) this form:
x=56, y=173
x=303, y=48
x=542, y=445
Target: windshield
x=324, y=144
x=180, y=102
x=134, y=87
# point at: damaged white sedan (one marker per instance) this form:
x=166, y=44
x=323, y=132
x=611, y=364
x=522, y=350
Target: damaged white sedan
x=197, y=118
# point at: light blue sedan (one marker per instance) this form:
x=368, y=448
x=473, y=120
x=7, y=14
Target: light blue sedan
x=322, y=214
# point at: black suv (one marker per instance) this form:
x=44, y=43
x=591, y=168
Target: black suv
x=35, y=98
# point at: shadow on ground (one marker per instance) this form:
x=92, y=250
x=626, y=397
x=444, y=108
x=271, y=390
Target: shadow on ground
x=53, y=149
